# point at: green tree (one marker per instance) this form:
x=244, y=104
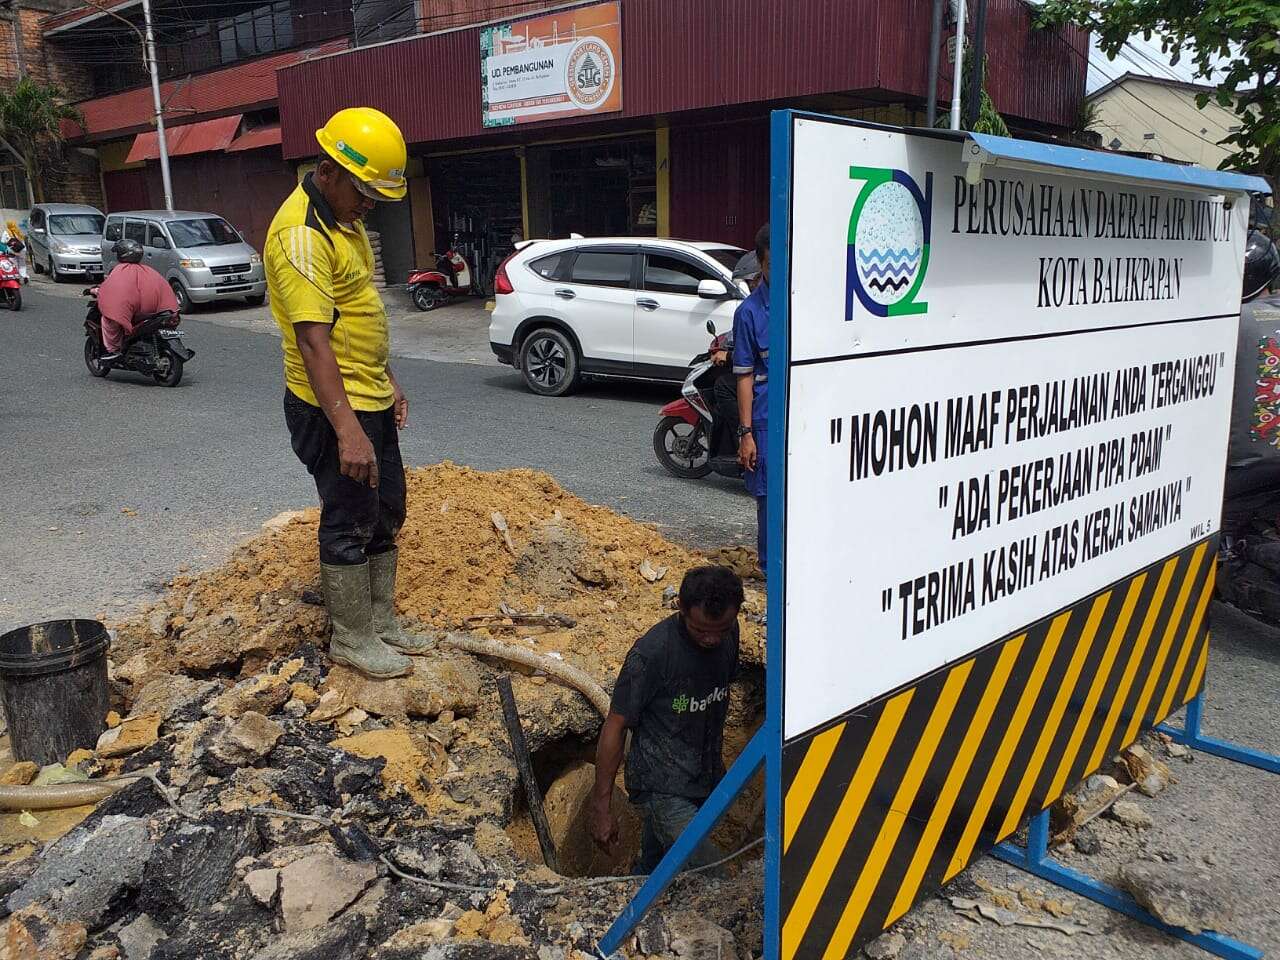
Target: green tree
x=1236, y=39
x=989, y=119
x=31, y=115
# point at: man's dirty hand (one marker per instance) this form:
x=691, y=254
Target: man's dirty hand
x=604, y=827
x=357, y=459
x=401, y=406
x=747, y=454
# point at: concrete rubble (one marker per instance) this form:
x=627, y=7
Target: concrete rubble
x=1191, y=897
x=311, y=813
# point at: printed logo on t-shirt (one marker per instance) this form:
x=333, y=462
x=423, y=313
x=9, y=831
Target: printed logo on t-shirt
x=684, y=702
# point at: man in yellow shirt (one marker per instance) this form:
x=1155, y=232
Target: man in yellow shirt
x=342, y=404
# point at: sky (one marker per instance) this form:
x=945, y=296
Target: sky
x=1138, y=56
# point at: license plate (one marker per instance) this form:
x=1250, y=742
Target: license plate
x=237, y=279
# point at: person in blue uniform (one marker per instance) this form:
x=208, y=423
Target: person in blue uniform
x=751, y=365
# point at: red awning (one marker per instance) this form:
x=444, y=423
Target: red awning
x=203, y=137
x=267, y=135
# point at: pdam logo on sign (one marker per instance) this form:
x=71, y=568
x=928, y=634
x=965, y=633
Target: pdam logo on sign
x=888, y=243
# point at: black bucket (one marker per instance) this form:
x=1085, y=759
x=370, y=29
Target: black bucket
x=53, y=685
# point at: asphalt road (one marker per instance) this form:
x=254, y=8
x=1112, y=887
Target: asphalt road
x=110, y=485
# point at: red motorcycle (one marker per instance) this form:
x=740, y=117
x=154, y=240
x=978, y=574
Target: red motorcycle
x=694, y=436
x=451, y=277
x=10, y=282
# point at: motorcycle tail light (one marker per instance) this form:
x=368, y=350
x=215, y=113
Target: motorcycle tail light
x=502, y=282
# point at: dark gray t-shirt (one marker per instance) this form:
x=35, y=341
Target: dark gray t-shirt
x=1253, y=461
x=675, y=696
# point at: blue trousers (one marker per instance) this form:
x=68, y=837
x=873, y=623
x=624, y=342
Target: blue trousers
x=665, y=817
x=757, y=483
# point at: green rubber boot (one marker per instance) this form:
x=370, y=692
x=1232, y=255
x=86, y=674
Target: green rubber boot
x=354, y=644
x=382, y=592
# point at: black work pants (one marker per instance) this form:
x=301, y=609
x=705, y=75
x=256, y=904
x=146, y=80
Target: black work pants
x=356, y=521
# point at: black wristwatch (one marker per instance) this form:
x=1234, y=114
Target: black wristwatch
x=743, y=431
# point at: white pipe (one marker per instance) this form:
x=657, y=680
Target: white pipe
x=150, y=41
x=959, y=66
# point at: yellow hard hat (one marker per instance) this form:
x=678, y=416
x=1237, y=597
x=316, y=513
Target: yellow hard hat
x=368, y=143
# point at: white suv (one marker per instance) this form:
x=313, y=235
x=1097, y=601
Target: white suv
x=610, y=307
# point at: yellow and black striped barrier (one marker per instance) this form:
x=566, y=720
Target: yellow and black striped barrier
x=895, y=798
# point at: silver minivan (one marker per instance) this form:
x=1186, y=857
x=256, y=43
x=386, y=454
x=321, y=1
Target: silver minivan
x=200, y=254
x=65, y=240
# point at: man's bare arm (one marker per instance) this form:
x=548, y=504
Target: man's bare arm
x=355, y=450
x=609, y=748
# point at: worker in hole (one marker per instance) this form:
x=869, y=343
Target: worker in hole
x=673, y=695
x=342, y=405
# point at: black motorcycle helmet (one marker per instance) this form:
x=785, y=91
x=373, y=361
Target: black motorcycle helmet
x=748, y=267
x=127, y=251
x=1261, y=264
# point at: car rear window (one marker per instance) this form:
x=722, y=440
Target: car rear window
x=602, y=269
x=548, y=267
x=673, y=275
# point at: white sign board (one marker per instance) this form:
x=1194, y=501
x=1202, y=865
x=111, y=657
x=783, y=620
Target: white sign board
x=1002, y=397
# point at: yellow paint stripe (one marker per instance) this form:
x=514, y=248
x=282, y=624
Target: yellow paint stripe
x=1193, y=628
x=1095, y=690
x=1049, y=731
x=1197, y=675
x=871, y=869
x=1162, y=654
x=805, y=784
x=955, y=780
x=1131, y=668
x=824, y=864
x=1012, y=734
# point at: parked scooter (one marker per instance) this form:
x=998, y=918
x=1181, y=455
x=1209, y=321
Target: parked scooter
x=691, y=440
x=451, y=277
x=154, y=349
x=10, y=282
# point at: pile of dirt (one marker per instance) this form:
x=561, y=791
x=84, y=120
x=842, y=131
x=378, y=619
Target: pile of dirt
x=223, y=689
x=565, y=557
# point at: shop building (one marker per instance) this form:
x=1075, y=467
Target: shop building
x=529, y=127
x=218, y=64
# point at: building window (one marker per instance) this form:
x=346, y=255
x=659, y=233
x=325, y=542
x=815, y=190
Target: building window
x=185, y=45
x=13, y=188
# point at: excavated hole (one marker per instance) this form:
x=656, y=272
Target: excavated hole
x=565, y=771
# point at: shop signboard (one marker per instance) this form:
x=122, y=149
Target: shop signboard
x=561, y=64
x=1002, y=397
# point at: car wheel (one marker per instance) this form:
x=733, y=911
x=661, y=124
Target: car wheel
x=35, y=265
x=180, y=292
x=549, y=362
x=53, y=271
x=256, y=300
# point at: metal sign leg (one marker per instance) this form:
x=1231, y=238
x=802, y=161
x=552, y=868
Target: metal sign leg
x=1190, y=735
x=708, y=816
x=1034, y=858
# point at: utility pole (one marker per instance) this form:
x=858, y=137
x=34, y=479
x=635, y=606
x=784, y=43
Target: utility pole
x=149, y=42
x=935, y=39
x=977, y=66
x=959, y=66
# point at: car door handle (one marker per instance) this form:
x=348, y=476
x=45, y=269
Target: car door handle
x=565, y=294
x=644, y=303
